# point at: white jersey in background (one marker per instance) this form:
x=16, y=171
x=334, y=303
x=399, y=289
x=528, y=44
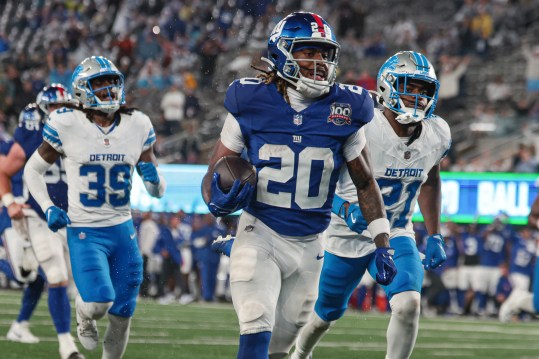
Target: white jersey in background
x=99, y=163
x=400, y=171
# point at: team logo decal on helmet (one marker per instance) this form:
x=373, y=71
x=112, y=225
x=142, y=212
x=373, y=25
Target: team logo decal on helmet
x=394, y=77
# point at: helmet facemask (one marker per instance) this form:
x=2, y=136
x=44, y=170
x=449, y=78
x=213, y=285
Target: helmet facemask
x=300, y=31
x=408, y=86
x=323, y=70
x=423, y=103
x=113, y=92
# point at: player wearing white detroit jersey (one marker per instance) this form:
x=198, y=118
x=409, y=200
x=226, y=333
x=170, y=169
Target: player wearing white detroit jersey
x=406, y=143
x=100, y=143
x=298, y=128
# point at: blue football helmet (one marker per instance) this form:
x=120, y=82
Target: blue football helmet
x=51, y=95
x=397, y=72
x=89, y=69
x=296, y=31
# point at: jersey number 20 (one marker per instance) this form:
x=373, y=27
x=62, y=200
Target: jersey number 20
x=286, y=173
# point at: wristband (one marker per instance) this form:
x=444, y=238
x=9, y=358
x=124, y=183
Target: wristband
x=8, y=199
x=379, y=225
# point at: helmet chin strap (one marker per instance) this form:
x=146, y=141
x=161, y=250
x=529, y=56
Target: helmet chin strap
x=311, y=88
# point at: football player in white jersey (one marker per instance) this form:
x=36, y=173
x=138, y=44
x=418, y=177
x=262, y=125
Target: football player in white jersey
x=100, y=143
x=406, y=143
x=298, y=128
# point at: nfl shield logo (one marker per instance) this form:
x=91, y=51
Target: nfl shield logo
x=298, y=119
x=106, y=142
x=82, y=235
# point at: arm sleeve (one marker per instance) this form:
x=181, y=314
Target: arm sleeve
x=33, y=176
x=354, y=145
x=231, y=135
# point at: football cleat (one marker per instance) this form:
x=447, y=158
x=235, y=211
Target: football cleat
x=86, y=329
x=20, y=332
x=76, y=355
x=223, y=245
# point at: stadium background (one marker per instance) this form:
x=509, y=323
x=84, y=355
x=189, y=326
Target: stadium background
x=179, y=57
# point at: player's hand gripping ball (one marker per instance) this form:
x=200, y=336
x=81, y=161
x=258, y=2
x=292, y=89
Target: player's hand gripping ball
x=233, y=183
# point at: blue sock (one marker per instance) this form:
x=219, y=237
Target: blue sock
x=30, y=298
x=461, y=298
x=254, y=346
x=6, y=268
x=481, y=300
x=60, y=309
x=361, y=296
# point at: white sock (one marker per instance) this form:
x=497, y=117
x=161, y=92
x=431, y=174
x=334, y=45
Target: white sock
x=116, y=337
x=309, y=336
x=92, y=310
x=526, y=303
x=67, y=345
x=403, y=325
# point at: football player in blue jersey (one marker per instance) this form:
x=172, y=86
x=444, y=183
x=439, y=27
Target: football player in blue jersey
x=100, y=143
x=406, y=142
x=299, y=128
x=29, y=220
x=494, y=252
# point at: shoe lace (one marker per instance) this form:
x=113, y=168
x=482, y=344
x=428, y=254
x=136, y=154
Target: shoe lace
x=87, y=328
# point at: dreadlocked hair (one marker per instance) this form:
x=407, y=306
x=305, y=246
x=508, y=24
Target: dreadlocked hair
x=90, y=113
x=269, y=77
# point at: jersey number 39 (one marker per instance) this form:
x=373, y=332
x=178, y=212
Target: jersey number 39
x=118, y=179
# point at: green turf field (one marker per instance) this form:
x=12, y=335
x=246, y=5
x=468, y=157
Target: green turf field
x=202, y=331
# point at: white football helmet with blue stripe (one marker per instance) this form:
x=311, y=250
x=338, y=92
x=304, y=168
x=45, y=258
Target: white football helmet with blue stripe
x=89, y=69
x=401, y=68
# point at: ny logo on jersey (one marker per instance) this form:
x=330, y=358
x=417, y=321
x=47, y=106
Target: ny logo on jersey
x=296, y=139
x=340, y=114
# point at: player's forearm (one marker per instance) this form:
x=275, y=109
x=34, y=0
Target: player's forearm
x=156, y=189
x=5, y=189
x=33, y=176
x=429, y=201
x=372, y=207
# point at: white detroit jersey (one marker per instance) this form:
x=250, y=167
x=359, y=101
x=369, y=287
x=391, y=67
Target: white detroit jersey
x=400, y=170
x=99, y=163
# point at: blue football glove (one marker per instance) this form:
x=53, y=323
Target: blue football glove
x=148, y=171
x=56, y=218
x=222, y=204
x=353, y=217
x=385, y=267
x=435, y=253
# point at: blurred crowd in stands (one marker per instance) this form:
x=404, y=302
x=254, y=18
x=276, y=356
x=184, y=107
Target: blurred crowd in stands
x=179, y=56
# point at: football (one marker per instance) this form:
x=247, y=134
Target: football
x=231, y=168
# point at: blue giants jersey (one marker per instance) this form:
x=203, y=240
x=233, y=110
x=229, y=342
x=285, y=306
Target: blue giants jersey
x=29, y=136
x=297, y=155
